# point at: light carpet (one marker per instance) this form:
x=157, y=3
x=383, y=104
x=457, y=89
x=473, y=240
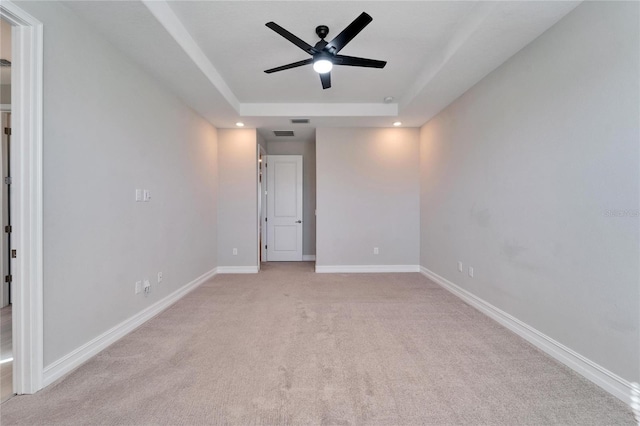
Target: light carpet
x=288, y=346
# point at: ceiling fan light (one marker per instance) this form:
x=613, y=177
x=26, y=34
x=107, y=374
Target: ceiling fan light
x=322, y=66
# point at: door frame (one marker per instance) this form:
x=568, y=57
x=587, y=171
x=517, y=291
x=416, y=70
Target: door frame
x=27, y=199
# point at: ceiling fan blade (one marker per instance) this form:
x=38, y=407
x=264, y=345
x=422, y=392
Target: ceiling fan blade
x=289, y=66
x=292, y=38
x=358, y=62
x=325, y=78
x=349, y=33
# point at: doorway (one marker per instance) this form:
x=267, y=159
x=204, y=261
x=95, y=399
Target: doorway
x=262, y=206
x=5, y=173
x=6, y=311
x=26, y=105
x=305, y=146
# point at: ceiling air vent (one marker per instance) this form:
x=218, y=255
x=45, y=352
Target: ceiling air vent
x=299, y=121
x=283, y=133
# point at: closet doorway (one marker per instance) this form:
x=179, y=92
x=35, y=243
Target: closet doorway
x=287, y=202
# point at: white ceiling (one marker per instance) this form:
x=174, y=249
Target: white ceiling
x=212, y=55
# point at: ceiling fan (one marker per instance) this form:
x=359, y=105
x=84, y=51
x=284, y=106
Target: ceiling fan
x=325, y=54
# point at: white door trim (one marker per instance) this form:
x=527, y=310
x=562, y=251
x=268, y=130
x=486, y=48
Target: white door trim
x=27, y=213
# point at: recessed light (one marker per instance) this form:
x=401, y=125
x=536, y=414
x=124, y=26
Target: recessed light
x=240, y=124
x=388, y=99
x=397, y=123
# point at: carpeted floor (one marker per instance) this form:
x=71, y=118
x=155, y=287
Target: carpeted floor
x=288, y=346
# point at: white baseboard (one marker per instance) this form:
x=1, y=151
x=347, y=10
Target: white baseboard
x=610, y=382
x=77, y=357
x=237, y=269
x=308, y=257
x=335, y=269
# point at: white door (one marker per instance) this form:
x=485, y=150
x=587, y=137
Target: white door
x=284, y=208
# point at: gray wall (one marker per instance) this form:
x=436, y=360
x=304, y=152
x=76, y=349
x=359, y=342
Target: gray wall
x=5, y=94
x=308, y=151
x=109, y=129
x=261, y=141
x=367, y=183
x=5, y=53
x=237, y=197
x=519, y=177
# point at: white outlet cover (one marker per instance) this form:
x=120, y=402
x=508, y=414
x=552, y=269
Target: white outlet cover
x=471, y=271
x=146, y=194
x=138, y=195
x=459, y=266
x=138, y=288
x=235, y=251
x=159, y=277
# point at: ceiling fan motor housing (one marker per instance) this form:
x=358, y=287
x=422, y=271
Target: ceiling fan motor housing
x=322, y=31
x=326, y=56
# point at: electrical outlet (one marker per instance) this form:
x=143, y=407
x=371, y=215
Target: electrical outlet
x=376, y=250
x=138, y=287
x=138, y=195
x=146, y=195
x=147, y=287
x=459, y=266
x=159, y=277
x=235, y=251
x=471, y=271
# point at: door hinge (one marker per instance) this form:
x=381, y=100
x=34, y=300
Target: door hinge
x=7, y=180
x=7, y=278
x=7, y=131
x=265, y=247
x=265, y=219
x=8, y=229
x=14, y=253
